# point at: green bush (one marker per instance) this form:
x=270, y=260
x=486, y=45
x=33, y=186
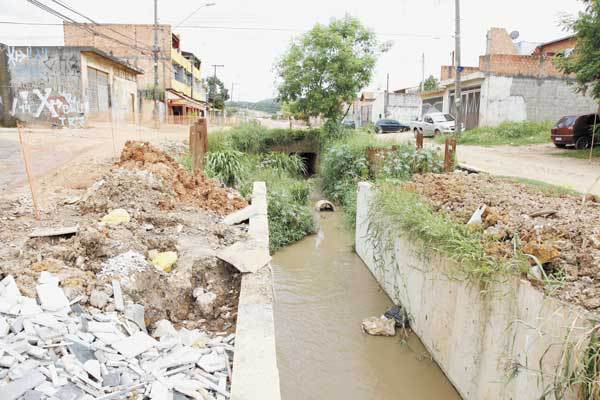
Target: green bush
x=289, y=220
x=227, y=165
x=253, y=138
x=289, y=164
x=406, y=161
x=218, y=141
x=510, y=133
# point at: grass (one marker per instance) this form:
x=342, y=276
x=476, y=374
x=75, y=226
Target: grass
x=546, y=188
x=398, y=210
x=581, y=154
x=241, y=155
x=345, y=163
x=507, y=133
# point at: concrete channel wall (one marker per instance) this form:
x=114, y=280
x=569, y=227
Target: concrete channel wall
x=255, y=372
x=505, y=342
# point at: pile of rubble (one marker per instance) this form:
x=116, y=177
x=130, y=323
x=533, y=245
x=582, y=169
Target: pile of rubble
x=558, y=229
x=53, y=349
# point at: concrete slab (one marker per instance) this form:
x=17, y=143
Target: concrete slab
x=248, y=256
x=240, y=216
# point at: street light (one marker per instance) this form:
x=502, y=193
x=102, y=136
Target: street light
x=194, y=12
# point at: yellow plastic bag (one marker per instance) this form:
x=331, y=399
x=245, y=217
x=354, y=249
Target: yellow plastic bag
x=116, y=217
x=165, y=260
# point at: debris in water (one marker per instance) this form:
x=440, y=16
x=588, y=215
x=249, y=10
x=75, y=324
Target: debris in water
x=398, y=314
x=379, y=326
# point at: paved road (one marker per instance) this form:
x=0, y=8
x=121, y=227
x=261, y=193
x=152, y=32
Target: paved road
x=541, y=162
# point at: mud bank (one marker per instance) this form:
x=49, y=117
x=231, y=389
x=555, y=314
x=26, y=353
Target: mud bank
x=507, y=341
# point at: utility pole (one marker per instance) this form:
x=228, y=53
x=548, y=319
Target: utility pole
x=233, y=84
x=423, y=73
x=386, y=103
x=457, y=90
x=155, y=51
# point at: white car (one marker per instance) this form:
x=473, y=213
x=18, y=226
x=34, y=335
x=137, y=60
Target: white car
x=433, y=124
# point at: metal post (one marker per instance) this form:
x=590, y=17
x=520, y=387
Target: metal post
x=423, y=73
x=386, y=100
x=457, y=91
x=155, y=59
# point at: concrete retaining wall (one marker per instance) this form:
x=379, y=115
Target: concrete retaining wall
x=255, y=372
x=502, y=343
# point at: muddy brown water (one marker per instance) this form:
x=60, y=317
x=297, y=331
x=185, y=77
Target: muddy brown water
x=323, y=291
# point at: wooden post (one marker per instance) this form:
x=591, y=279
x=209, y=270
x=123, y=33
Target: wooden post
x=198, y=144
x=36, y=210
x=419, y=137
x=449, y=154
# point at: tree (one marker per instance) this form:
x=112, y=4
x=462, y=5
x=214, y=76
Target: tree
x=326, y=67
x=217, y=93
x=430, y=84
x=584, y=61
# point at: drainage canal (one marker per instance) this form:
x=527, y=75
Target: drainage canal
x=323, y=291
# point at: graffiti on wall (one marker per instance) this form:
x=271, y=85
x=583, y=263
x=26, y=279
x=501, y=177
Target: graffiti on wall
x=64, y=108
x=45, y=85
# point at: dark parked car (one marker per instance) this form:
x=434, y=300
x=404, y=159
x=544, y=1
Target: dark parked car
x=390, y=125
x=575, y=130
x=348, y=123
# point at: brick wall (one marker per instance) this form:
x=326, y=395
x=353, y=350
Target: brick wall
x=514, y=65
x=499, y=42
x=556, y=47
x=136, y=47
x=448, y=71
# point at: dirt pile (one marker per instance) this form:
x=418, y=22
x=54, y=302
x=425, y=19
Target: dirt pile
x=168, y=210
x=555, y=228
x=186, y=187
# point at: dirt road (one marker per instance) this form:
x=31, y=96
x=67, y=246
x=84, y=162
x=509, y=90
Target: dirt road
x=541, y=162
x=68, y=158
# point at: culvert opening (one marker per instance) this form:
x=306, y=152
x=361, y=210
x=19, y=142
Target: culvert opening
x=310, y=162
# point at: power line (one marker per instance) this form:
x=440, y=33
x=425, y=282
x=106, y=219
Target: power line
x=259, y=28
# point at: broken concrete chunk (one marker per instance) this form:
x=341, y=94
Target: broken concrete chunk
x=92, y=367
x=111, y=379
x=118, y=295
x=205, y=301
x=47, y=277
x=69, y=392
x=61, y=231
x=381, y=326
x=18, y=387
x=164, y=328
x=135, y=345
x=160, y=392
x=246, y=256
x=9, y=294
x=4, y=327
x=212, y=363
x=32, y=395
x=99, y=298
x=135, y=313
x=240, y=216
x=52, y=297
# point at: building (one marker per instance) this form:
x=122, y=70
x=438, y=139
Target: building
x=513, y=82
x=65, y=86
x=181, y=91
x=403, y=105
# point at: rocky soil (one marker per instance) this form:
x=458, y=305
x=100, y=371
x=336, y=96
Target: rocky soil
x=559, y=230
x=170, y=210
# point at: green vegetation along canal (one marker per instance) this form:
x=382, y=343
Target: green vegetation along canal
x=323, y=291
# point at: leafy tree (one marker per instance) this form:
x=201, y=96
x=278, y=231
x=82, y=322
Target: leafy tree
x=326, y=67
x=430, y=84
x=584, y=62
x=217, y=92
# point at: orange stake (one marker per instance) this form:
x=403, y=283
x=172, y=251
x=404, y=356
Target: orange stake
x=28, y=172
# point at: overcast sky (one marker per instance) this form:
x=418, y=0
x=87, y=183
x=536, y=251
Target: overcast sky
x=230, y=32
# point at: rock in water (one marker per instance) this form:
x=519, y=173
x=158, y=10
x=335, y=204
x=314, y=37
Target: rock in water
x=379, y=326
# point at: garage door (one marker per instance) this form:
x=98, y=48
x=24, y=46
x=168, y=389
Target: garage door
x=98, y=91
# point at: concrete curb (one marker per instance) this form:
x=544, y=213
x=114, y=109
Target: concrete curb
x=255, y=372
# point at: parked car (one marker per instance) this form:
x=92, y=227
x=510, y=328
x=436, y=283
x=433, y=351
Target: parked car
x=390, y=125
x=433, y=124
x=575, y=130
x=348, y=123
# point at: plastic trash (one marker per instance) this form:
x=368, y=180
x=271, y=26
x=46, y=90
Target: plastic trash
x=164, y=260
x=398, y=314
x=116, y=217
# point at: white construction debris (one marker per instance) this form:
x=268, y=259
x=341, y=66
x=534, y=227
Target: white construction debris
x=50, y=351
